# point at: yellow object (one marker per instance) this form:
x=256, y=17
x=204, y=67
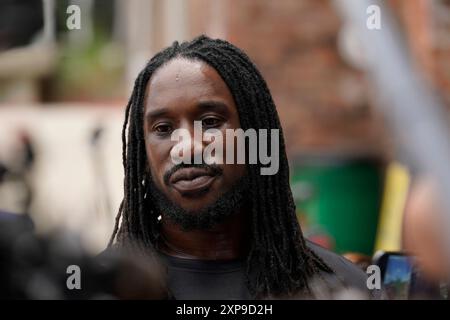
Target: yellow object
x=391, y=216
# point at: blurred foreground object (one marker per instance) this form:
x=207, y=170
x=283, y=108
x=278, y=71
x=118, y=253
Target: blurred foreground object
x=35, y=267
x=403, y=279
x=422, y=235
x=414, y=112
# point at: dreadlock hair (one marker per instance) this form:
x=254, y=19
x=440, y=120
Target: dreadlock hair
x=279, y=262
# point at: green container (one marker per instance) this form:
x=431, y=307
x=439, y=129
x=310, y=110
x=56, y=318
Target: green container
x=340, y=197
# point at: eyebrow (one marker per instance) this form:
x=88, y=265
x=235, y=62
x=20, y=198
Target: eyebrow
x=149, y=115
x=213, y=105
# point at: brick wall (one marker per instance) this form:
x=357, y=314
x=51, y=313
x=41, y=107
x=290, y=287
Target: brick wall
x=322, y=102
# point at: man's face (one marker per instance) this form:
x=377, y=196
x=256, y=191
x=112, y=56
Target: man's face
x=179, y=93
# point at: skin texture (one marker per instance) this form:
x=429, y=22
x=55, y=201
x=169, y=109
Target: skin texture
x=422, y=232
x=179, y=93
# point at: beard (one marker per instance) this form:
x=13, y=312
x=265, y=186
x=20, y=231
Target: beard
x=226, y=205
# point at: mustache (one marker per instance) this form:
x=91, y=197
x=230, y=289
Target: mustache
x=213, y=168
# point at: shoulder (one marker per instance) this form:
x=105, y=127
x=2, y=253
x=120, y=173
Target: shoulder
x=342, y=267
x=110, y=256
x=345, y=274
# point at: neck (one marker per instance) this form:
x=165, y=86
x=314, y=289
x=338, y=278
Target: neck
x=226, y=241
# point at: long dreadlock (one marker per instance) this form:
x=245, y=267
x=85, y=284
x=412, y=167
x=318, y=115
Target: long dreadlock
x=279, y=262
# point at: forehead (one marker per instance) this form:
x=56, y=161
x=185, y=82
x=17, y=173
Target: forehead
x=185, y=81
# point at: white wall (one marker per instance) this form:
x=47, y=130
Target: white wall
x=67, y=181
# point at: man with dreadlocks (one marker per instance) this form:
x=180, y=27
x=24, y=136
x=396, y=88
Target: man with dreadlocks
x=223, y=231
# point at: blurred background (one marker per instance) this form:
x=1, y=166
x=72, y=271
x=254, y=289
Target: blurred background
x=63, y=91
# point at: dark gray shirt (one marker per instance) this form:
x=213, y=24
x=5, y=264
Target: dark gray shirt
x=202, y=279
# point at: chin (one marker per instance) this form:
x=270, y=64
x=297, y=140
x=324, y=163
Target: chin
x=196, y=203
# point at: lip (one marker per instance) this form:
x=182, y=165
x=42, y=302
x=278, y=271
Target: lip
x=192, y=181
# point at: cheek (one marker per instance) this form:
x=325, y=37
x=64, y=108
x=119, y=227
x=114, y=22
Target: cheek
x=157, y=155
x=231, y=175
x=234, y=171
x=237, y=168
x=232, y=146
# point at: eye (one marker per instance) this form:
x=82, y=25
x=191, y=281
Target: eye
x=211, y=122
x=162, y=128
